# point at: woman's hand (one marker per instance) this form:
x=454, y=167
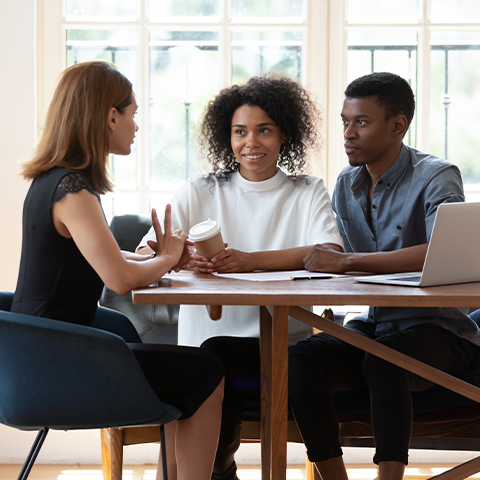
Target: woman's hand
x=227, y=261
x=170, y=245
x=186, y=261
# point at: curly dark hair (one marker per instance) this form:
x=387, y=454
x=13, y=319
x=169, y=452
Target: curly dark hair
x=284, y=100
x=391, y=91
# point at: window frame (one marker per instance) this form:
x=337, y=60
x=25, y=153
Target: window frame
x=339, y=29
x=51, y=49
x=324, y=64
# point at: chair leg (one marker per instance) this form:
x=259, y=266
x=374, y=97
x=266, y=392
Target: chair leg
x=112, y=453
x=32, y=456
x=309, y=467
x=311, y=471
x=163, y=449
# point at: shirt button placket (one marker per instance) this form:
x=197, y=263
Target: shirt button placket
x=374, y=221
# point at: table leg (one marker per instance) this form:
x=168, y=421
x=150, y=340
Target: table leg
x=274, y=387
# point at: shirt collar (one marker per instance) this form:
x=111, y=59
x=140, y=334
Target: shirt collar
x=393, y=173
x=268, y=184
x=389, y=177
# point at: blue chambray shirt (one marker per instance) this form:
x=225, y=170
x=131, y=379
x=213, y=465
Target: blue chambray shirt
x=404, y=204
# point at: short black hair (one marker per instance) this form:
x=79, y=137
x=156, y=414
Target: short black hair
x=391, y=91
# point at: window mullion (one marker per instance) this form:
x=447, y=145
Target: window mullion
x=315, y=56
x=423, y=86
x=337, y=75
x=143, y=155
x=225, y=48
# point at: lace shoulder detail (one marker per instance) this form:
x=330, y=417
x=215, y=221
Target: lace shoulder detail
x=72, y=183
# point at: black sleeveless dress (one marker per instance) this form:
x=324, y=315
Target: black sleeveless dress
x=55, y=281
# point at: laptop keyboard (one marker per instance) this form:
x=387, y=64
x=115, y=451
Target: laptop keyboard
x=408, y=279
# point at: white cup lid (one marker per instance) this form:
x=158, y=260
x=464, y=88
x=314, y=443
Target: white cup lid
x=204, y=230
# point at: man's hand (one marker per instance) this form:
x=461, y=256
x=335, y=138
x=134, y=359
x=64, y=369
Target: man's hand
x=322, y=258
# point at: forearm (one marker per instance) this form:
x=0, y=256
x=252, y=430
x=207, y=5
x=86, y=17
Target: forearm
x=143, y=273
x=146, y=250
x=288, y=259
x=408, y=259
x=137, y=257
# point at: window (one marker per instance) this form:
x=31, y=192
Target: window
x=435, y=45
x=179, y=53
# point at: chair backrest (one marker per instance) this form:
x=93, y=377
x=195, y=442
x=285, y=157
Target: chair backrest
x=154, y=324
x=6, y=299
x=129, y=229
x=65, y=376
x=117, y=323
x=105, y=319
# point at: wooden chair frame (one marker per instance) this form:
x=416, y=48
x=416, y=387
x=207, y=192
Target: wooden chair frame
x=449, y=435
x=114, y=439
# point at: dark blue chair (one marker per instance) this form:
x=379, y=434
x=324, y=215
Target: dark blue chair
x=62, y=376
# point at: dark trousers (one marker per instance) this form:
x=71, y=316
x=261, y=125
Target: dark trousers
x=322, y=363
x=241, y=360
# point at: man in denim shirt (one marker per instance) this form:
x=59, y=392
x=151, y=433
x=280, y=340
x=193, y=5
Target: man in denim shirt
x=385, y=202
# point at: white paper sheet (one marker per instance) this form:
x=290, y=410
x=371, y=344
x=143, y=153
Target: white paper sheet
x=275, y=276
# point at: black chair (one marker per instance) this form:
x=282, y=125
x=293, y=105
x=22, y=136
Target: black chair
x=57, y=375
x=154, y=323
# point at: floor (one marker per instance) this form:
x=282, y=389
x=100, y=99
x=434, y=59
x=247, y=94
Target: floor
x=147, y=472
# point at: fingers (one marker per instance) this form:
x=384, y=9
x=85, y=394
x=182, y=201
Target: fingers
x=220, y=256
x=156, y=223
x=203, y=267
x=184, y=261
x=182, y=235
x=152, y=244
x=228, y=261
x=167, y=223
x=230, y=267
x=199, y=258
x=158, y=232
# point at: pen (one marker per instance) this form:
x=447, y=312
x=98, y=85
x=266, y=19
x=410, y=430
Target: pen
x=310, y=278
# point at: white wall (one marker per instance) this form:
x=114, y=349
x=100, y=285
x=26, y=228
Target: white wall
x=17, y=125
x=17, y=139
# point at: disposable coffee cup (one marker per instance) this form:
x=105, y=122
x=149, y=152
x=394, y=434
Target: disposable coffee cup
x=208, y=238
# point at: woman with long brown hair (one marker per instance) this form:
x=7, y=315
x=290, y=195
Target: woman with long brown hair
x=69, y=253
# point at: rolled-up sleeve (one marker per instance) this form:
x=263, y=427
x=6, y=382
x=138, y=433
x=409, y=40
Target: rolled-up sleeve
x=446, y=186
x=322, y=226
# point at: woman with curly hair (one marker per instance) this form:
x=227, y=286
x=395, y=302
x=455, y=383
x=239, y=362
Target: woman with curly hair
x=254, y=139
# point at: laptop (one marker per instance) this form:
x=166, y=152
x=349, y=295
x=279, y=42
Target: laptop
x=453, y=254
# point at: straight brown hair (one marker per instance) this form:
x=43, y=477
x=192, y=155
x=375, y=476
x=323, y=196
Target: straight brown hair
x=76, y=126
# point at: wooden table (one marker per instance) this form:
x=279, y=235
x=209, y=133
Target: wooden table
x=285, y=296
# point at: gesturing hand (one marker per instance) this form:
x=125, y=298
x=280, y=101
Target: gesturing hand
x=172, y=245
